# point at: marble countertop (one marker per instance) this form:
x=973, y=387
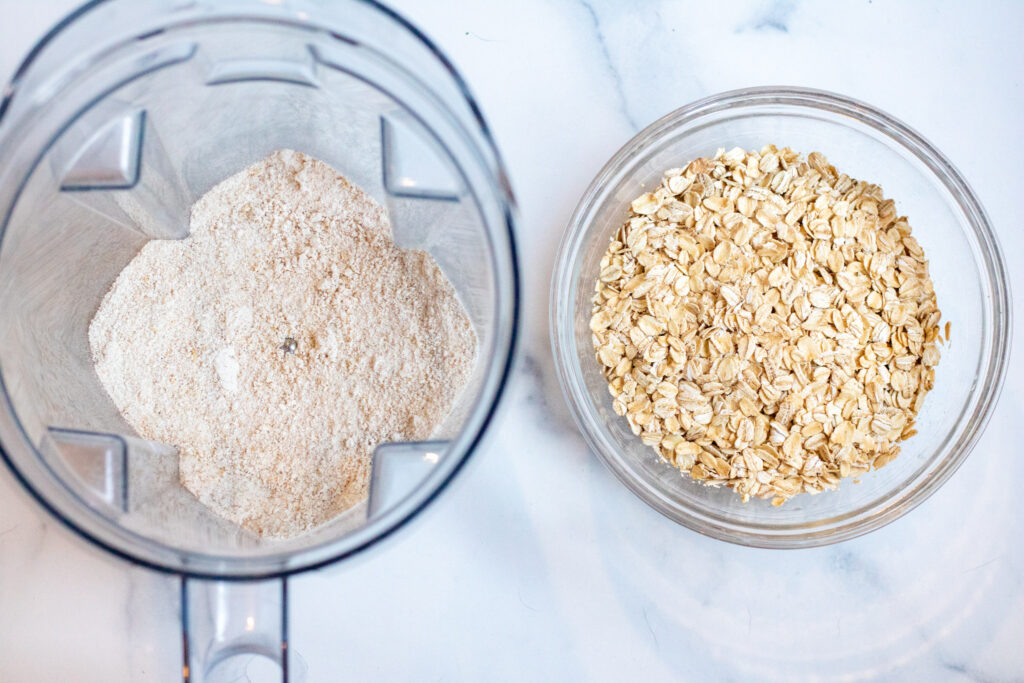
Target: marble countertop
x=537, y=564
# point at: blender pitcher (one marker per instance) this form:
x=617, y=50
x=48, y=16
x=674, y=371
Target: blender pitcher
x=118, y=120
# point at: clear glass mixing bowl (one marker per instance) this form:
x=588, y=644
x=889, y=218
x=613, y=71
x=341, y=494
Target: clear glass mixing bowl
x=966, y=266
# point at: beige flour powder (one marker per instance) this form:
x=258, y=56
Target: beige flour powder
x=280, y=343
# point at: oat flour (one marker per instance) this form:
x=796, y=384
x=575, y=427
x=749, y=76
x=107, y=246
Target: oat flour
x=280, y=343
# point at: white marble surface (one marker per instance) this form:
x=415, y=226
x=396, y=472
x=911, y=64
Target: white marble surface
x=537, y=564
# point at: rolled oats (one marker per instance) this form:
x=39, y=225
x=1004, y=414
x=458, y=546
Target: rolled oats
x=767, y=323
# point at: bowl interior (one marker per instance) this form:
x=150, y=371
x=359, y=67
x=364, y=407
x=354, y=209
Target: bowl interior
x=960, y=265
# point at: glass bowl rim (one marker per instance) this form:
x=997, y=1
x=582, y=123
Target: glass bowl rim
x=809, y=100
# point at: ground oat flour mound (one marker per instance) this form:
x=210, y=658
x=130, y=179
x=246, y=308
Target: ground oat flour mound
x=280, y=343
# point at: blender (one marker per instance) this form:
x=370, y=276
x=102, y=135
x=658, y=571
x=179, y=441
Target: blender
x=116, y=122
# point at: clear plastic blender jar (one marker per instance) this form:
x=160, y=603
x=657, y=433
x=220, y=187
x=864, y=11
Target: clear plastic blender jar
x=117, y=121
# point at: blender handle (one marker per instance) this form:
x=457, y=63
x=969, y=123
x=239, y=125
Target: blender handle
x=225, y=623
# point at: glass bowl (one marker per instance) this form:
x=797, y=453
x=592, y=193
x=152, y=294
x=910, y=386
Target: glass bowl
x=966, y=266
